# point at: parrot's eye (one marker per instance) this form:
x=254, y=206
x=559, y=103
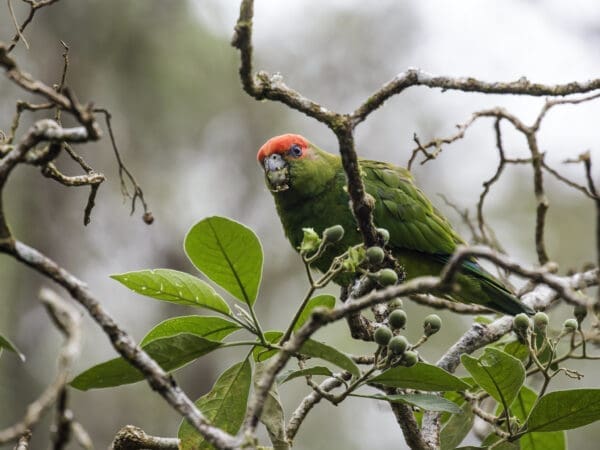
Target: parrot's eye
x=295, y=150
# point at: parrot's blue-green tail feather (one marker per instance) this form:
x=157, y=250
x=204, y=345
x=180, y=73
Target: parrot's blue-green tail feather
x=504, y=301
x=499, y=298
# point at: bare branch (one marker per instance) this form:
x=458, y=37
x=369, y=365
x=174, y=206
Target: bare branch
x=64, y=420
x=42, y=130
x=23, y=442
x=417, y=77
x=133, y=438
x=67, y=102
x=33, y=7
x=67, y=319
x=410, y=427
x=308, y=403
x=441, y=303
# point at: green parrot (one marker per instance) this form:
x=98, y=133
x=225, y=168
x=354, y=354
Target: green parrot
x=309, y=187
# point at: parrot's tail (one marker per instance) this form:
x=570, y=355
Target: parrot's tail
x=502, y=300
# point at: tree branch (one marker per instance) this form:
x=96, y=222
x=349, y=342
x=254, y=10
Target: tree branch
x=133, y=438
x=67, y=319
x=418, y=77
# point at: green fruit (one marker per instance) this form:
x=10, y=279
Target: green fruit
x=333, y=234
x=397, y=345
x=410, y=358
x=580, y=312
x=395, y=304
x=521, y=322
x=384, y=235
x=540, y=321
x=375, y=255
x=386, y=277
x=570, y=325
x=397, y=319
x=432, y=324
x=383, y=335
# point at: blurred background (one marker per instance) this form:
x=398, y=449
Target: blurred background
x=190, y=134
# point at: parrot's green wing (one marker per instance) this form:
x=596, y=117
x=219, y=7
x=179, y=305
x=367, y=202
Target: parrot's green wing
x=423, y=240
x=406, y=212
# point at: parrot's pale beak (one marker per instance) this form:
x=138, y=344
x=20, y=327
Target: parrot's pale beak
x=276, y=170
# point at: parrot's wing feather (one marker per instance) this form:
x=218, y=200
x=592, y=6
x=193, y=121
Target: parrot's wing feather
x=406, y=212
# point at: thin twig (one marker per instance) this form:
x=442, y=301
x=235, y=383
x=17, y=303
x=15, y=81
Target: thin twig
x=124, y=173
x=17, y=27
x=67, y=319
x=308, y=404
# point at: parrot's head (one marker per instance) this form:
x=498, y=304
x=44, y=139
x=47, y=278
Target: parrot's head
x=293, y=164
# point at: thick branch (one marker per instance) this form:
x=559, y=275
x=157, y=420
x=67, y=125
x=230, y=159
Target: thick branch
x=133, y=438
x=418, y=77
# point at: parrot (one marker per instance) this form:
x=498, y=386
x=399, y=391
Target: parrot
x=309, y=188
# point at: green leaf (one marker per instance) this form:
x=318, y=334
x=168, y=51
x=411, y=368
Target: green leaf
x=564, y=410
x=456, y=428
x=428, y=402
x=518, y=350
x=175, y=287
x=260, y=353
x=555, y=440
x=170, y=353
x=228, y=253
x=5, y=343
x=422, y=376
x=493, y=439
x=309, y=348
x=209, y=327
x=502, y=446
x=292, y=374
x=224, y=406
x=498, y=373
x=272, y=416
x=323, y=351
x=325, y=300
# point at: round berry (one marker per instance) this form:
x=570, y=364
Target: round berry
x=580, y=312
x=410, y=358
x=383, y=335
x=375, y=255
x=333, y=234
x=521, y=322
x=397, y=319
x=384, y=235
x=432, y=324
x=540, y=321
x=570, y=325
x=395, y=304
x=397, y=345
x=386, y=277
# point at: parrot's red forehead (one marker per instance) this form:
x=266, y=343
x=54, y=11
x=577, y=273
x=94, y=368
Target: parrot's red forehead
x=280, y=144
